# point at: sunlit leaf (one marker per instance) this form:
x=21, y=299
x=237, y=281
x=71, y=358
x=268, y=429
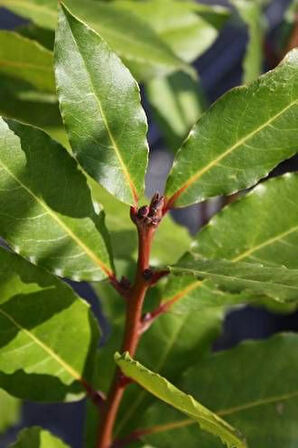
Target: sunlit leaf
x=101, y=108
x=47, y=214
x=167, y=392
x=239, y=139
x=43, y=323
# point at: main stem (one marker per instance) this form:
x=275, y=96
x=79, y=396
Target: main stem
x=146, y=220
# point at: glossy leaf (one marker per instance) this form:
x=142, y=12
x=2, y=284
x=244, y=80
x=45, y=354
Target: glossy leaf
x=261, y=227
x=36, y=437
x=251, y=12
x=239, y=139
x=179, y=24
x=177, y=102
x=42, y=218
x=10, y=411
x=100, y=104
x=262, y=387
x=278, y=283
x=186, y=404
x=43, y=323
x=25, y=59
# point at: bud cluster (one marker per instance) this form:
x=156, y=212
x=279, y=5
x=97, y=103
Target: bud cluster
x=149, y=215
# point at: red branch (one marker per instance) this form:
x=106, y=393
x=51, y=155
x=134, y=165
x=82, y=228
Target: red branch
x=146, y=219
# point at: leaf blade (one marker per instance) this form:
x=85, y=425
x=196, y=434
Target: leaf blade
x=269, y=399
x=269, y=230
x=165, y=391
x=278, y=283
x=35, y=310
x=36, y=437
x=232, y=131
x=117, y=151
x=25, y=59
x=61, y=233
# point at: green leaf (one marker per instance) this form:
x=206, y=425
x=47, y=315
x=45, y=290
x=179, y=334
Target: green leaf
x=20, y=101
x=101, y=108
x=178, y=24
x=130, y=36
x=186, y=404
x=10, y=411
x=169, y=347
x=239, y=139
x=36, y=437
x=261, y=227
x=177, y=102
x=43, y=36
x=278, y=283
x=252, y=383
x=25, y=59
x=162, y=347
x=42, y=325
x=251, y=12
x=42, y=12
x=42, y=218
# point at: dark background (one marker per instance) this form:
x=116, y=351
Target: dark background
x=220, y=70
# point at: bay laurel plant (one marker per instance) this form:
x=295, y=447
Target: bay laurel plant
x=155, y=380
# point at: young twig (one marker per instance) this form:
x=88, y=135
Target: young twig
x=146, y=219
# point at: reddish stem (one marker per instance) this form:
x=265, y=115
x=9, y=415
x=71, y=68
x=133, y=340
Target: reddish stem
x=146, y=220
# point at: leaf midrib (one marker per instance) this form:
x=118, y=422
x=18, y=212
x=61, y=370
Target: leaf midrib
x=73, y=373
x=226, y=276
x=75, y=238
x=250, y=251
x=214, y=162
x=110, y=134
x=223, y=412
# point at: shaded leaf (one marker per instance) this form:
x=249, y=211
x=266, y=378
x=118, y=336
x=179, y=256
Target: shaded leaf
x=37, y=313
x=186, y=404
x=268, y=220
x=10, y=411
x=179, y=24
x=278, y=283
x=25, y=59
x=20, y=101
x=43, y=36
x=101, y=108
x=42, y=218
x=239, y=139
x=36, y=437
x=177, y=102
x=131, y=37
x=262, y=387
x=42, y=12
x=251, y=12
